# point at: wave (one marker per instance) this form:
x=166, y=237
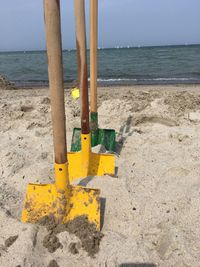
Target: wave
x=115, y=81
x=144, y=79
x=169, y=79
x=159, y=80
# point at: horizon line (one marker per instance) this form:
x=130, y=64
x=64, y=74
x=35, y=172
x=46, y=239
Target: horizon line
x=104, y=48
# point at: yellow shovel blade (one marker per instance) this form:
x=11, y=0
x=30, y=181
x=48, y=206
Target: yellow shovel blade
x=41, y=200
x=99, y=164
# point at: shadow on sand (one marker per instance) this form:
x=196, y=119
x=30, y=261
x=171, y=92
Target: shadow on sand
x=124, y=133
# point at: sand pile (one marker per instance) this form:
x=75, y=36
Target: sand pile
x=149, y=211
x=5, y=84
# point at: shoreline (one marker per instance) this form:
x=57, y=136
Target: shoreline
x=40, y=84
x=35, y=84
x=68, y=85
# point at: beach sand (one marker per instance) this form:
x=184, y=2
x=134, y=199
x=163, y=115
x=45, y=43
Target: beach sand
x=152, y=206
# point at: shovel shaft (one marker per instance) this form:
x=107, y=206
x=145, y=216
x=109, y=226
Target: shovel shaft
x=93, y=53
x=55, y=71
x=82, y=63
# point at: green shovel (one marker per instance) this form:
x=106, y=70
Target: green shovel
x=105, y=137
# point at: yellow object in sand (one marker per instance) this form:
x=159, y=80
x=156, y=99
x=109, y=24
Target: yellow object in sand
x=86, y=163
x=61, y=200
x=75, y=93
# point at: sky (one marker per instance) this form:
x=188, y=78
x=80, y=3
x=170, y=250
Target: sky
x=121, y=23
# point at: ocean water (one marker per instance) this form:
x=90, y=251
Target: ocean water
x=144, y=65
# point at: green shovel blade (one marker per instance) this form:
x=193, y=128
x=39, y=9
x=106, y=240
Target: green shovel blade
x=105, y=137
x=76, y=140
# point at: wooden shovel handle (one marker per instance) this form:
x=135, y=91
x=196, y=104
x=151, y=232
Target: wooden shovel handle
x=93, y=53
x=55, y=71
x=82, y=61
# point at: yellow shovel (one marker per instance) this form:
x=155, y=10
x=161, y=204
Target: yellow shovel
x=85, y=163
x=61, y=200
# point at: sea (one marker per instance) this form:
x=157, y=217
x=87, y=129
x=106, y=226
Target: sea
x=116, y=66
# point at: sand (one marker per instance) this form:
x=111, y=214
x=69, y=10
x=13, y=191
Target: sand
x=152, y=207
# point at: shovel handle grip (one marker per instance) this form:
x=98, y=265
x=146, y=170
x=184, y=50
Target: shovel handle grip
x=55, y=71
x=93, y=53
x=82, y=63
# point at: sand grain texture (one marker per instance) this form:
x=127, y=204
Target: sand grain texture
x=151, y=210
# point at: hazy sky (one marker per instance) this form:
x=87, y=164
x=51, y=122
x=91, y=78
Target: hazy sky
x=121, y=22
